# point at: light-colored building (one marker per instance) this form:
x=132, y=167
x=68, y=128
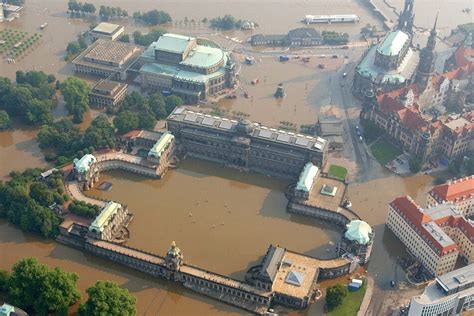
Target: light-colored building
x=9, y=12
x=107, y=31
x=449, y=295
x=306, y=181
x=107, y=59
x=459, y=192
x=162, y=150
x=181, y=65
x=107, y=93
x=109, y=222
x=10, y=310
x=435, y=236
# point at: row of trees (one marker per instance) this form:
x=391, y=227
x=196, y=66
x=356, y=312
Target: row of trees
x=80, y=7
x=227, y=22
x=4, y=120
x=153, y=17
x=30, y=99
x=25, y=201
x=107, y=13
x=39, y=290
x=137, y=111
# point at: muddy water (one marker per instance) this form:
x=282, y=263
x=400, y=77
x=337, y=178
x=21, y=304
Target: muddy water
x=222, y=219
x=154, y=298
x=19, y=150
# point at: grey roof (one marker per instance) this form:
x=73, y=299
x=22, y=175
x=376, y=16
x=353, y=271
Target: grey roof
x=271, y=37
x=318, y=144
x=272, y=261
x=463, y=277
x=304, y=32
x=173, y=43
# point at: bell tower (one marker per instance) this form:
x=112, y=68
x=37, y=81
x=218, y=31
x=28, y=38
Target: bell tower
x=427, y=59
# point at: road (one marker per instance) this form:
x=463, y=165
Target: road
x=341, y=95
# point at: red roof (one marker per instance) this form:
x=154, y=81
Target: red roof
x=453, y=190
x=464, y=56
x=417, y=217
x=411, y=119
x=388, y=104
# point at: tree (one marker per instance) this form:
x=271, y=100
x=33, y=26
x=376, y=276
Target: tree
x=227, y=22
x=147, y=39
x=415, y=165
x=153, y=17
x=172, y=102
x=4, y=120
x=76, y=94
x=4, y=276
x=61, y=135
x=41, y=194
x=368, y=30
x=158, y=105
x=107, y=298
x=100, y=134
x=124, y=38
x=146, y=120
x=33, y=287
x=126, y=121
x=335, y=294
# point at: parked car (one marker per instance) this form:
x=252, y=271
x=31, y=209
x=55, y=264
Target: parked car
x=344, y=75
x=361, y=139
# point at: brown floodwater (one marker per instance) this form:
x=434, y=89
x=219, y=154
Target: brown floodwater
x=222, y=219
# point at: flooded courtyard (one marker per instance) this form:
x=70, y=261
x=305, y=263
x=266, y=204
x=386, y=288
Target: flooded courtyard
x=222, y=219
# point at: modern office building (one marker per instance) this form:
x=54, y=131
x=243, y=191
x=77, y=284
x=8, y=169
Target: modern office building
x=459, y=192
x=107, y=31
x=435, y=235
x=181, y=65
x=245, y=145
x=107, y=59
x=107, y=93
x=451, y=294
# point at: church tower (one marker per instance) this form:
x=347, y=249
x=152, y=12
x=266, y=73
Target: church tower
x=427, y=59
x=405, y=21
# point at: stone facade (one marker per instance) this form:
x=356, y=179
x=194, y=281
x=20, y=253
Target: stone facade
x=245, y=145
x=109, y=222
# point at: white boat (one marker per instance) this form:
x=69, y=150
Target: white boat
x=43, y=26
x=339, y=18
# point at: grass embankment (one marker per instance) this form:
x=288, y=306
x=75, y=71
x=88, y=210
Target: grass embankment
x=351, y=303
x=338, y=172
x=384, y=152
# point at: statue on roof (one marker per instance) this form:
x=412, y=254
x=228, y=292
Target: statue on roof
x=174, y=257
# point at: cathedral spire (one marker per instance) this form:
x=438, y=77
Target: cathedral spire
x=426, y=65
x=405, y=21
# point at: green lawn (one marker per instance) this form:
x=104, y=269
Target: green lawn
x=384, y=152
x=337, y=171
x=351, y=303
